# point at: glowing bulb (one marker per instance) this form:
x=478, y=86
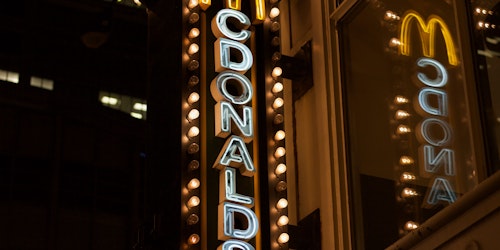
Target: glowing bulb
x=278, y=87
x=394, y=42
x=400, y=100
x=274, y=12
x=405, y=160
x=280, y=169
x=193, y=114
x=401, y=114
x=277, y=71
x=137, y=2
x=410, y=225
x=282, y=203
x=192, y=4
x=280, y=135
x=283, y=238
x=193, y=97
x=278, y=103
x=409, y=192
x=194, y=33
x=282, y=221
x=193, y=239
x=193, y=131
x=408, y=177
x=403, y=129
x=193, y=184
x=193, y=49
x=280, y=151
x=193, y=202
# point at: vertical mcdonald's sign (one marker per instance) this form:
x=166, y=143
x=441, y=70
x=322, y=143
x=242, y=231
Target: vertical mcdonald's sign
x=434, y=131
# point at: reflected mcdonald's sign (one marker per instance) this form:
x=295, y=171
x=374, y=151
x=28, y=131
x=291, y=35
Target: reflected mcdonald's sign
x=258, y=7
x=427, y=32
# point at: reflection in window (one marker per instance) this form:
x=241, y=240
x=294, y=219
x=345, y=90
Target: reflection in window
x=42, y=83
x=136, y=107
x=9, y=76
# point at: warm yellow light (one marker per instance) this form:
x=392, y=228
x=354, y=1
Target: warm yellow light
x=193, y=49
x=280, y=169
x=277, y=87
x=282, y=221
x=400, y=99
x=278, y=103
x=280, y=135
x=410, y=225
x=277, y=71
x=193, y=239
x=394, y=42
x=401, y=114
x=193, y=131
x=193, y=184
x=204, y=4
x=192, y=4
x=282, y=203
x=283, y=238
x=140, y=106
x=405, y=160
x=193, y=97
x=193, y=114
x=280, y=151
x=109, y=100
x=408, y=177
x=193, y=202
x=136, y=115
x=194, y=33
x=274, y=12
x=409, y=192
x=427, y=33
x=137, y=2
x=403, y=129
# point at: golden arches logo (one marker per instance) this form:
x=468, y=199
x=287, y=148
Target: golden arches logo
x=427, y=32
x=258, y=7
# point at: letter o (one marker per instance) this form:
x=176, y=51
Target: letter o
x=426, y=134
x=219, y=91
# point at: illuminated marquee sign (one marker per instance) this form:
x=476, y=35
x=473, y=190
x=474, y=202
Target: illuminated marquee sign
x=434, y=133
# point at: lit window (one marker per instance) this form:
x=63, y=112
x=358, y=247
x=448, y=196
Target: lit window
x=136, y=107
x=9, y=76
x=42, y=83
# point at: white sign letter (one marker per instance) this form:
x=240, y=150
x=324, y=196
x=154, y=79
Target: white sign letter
x=234, y=153
x=224, y=48
x=227, y=218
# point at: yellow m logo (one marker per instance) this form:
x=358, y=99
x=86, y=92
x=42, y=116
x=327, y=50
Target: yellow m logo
x=427, y=32
x=258, y=7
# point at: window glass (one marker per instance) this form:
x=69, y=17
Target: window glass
x=486, y=26
x=408, y=115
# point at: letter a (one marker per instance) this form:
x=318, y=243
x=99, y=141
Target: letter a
x=235, y=154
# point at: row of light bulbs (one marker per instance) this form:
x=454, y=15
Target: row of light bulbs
x=191, y=119
x=276, y=95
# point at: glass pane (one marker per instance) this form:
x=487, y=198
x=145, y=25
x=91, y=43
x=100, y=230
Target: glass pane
x=409, y=128
x=486, y=16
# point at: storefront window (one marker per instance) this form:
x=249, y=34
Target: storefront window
x=486, y=22
x=410, y=111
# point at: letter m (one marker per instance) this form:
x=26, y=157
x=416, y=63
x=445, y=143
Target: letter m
x=258, y=7
x=427, y=32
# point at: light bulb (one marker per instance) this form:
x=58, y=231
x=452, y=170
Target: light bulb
x=278, y=87
x=400, y=99
x=193, y=184
x=409, y=192
x=394, y=42
x=410, y=225
x=193, y=239
x=408, y=177
x=280, y=135
x=405, y=160
x=282, y=203
x=193, y=97
x=277, y=71
x=192, y=219
x=280, y=186
x=193, y=114
x=280, y=151
x=280, y=169
x=278, y=103
x=193, y=49
x=275, y=26
x=193, y=148
x=193, y=65
x=403, y=129
x=193, y=202
x=282, y=221
x=274, y=12
x=194, y=33
x=193, y=165
x=401, y=114
x=192, y=4
x=283, y=238
x=193, y=132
